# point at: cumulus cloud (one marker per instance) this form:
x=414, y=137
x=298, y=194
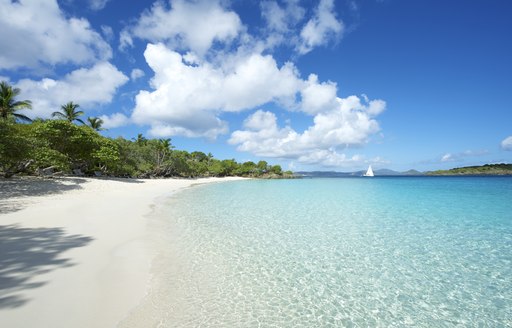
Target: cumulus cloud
x=185, y=25
x=115, y=120
x=318, y=97
x=206, y=125
x=351, y=123
x=189, y=96
x=506, y=144
x=320, y=29
x=187, y=99
x=44, y=35
x=330, y=158
x=86, y=86
x=281, y=21
x=193, y=86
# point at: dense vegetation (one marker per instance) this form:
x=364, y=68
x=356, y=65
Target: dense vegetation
x=50, y=147
x=488, y=169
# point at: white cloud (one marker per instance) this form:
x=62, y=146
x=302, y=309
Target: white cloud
x=206, y=125
x=281, y=19
x=136, y=74
x=97, y=4
x=318, y=97
x=320, y=29
x=261, y=120
x=351, y=123
x=459, y=157
x=186, y=25
x=86, y=86
x=193, y=87
x=188, y=97
x=44, y=35
x=285, y=25
x=447, y=158
x=506, y=144
x=114, y=121
x=330, y=158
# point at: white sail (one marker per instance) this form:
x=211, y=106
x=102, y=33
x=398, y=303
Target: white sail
x=369, y=173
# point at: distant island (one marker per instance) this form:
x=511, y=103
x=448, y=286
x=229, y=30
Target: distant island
x=334, y=174
x=487, y=169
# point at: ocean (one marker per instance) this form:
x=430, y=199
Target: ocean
x=338, y=252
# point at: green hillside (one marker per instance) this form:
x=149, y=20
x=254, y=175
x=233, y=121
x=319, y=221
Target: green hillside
x=487, y=169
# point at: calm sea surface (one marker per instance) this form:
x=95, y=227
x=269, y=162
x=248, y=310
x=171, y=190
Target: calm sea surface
x=349, y=252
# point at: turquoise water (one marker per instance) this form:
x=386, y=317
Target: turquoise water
x=352, y=252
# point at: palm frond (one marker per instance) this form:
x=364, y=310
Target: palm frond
x=9, y=106
x=59, y=115
x=22, y=117
x=95, y=123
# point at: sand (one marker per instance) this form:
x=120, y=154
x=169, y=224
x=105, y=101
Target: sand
x=77, y=252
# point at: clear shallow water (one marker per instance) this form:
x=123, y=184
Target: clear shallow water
x=354, y=252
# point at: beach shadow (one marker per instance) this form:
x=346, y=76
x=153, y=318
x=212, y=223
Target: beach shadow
x=125, y=180
x=19, y=188
x=13, y=190
x=28, y=252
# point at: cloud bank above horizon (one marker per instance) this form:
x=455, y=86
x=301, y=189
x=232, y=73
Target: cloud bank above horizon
x=199, y=76
x=199, y=69
x=205, y=63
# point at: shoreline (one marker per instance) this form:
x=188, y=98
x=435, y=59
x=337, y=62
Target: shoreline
x=78, y=252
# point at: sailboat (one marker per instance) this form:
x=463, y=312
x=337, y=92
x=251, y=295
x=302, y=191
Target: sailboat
x=369, y=173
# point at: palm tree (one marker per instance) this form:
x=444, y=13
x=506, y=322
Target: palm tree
x=163, y=149
x=9, y=106
x=95, y=123
x=165, y=144
x=68, y=112
x=141, y=140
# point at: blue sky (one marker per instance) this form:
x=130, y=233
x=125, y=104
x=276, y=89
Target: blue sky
x=310, y=85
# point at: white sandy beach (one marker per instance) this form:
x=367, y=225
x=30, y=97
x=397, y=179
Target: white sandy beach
x=78, y=258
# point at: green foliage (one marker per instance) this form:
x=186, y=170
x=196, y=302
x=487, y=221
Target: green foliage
x=9, y=106
x=74, y=147
x=69, y=112
x=487, y=169
x=14, y=147
x=262, y=166
x=95, y=123
x=106, y=158
x=247, y=169
x=64, y=146
x=276, y=169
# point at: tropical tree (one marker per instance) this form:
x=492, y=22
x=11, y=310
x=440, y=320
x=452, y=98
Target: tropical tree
x=8, y=104
x=69, y=112
x=69, y=146
x=276, y=169
x=95, y=123
x=262, y=166
x=141, y=140
x=163, y=149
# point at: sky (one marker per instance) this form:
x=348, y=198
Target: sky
x=309, y=85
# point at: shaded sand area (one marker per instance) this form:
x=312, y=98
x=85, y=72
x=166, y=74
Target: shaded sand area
x=77, y=252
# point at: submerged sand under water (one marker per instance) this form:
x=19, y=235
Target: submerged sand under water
x=77, y=252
